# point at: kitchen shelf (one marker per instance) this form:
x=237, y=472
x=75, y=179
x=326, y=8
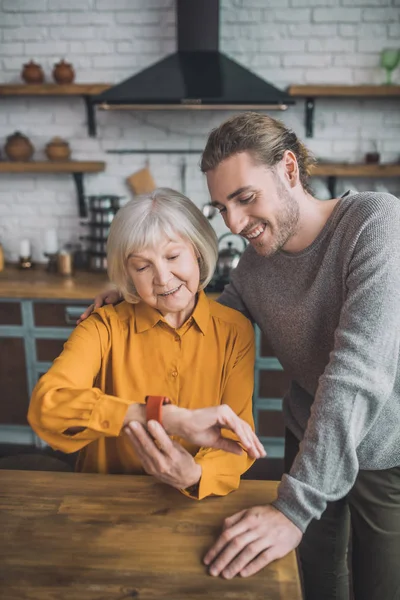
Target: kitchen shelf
x=311, y=92
x=74, y=167
x=86, y=90
x=334, y=170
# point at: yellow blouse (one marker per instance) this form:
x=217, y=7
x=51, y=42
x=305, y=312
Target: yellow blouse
x=122, y=353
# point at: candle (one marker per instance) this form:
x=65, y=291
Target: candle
x=25, y=248
x=50, y=241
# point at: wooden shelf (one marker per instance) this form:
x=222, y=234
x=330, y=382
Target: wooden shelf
x=356, y=170
x=85, y=90
x=47, y=166
x=74, y=167
x=345, y=91
x=311, y=92
x=53, y=89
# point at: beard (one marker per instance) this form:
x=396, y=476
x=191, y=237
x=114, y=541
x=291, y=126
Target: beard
x=287, y=222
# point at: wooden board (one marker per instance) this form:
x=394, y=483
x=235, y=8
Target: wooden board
x=77, y=536
x=47, y=166
x=53, y=89
x=363, y=91
x=356, y=170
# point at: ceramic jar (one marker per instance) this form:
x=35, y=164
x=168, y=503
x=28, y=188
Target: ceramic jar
x=32, y=73
x=63, y=72
x=58, y=149
x=18, y=147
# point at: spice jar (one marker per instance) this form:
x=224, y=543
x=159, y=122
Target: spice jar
x=64, y=263
x=19, y=147
x=58, y=149
x=32, y=73
x=63, y=72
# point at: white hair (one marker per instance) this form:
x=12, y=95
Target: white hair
x=144, y=220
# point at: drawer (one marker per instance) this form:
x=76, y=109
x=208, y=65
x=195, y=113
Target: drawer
x=270, y=423
x=10, y=313
x=48, y=350
x=14, y=399
x=273, y=384
x=62, y=314
x=265, y=348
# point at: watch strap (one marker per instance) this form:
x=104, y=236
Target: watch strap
x=154, y=406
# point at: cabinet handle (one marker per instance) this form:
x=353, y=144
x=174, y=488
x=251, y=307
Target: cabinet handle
x=72, y=313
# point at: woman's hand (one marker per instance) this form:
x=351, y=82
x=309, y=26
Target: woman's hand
x=161, y=457
x=203, y=428
x=107, y=297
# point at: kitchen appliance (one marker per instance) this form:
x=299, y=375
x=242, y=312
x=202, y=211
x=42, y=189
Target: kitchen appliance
x=198, y=75
x=228, y=259
x=102, y=210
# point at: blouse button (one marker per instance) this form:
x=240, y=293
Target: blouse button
x=174, y=373
x=105, y=424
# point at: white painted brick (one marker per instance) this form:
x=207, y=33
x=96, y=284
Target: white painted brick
x=394, y=30
x=48, y=18
x=311, y=30
x=260, y=60
x=25, y=34
x=61, y=5
x=299, y=15
x=267, y=4
x=115, y=60
x=92, y=47
x=24, y=6
x=363, y=3
x=337, y=15
x=244, y=45
x=138, y=17
x=355, y=60
x=243, y=15
x=90, y=18
x=138, y=46
x=364, y=30
x=115, y=32
x=387, y=15
x=374, y=45
x=369, y=77
x=312, y=3
x=306, y=60
x=282, y=46
x=329, y=76
x=53, y=48
x=10, y=49
x=331, y=45
x=73, y=33
x=11, y=20
x=131, y=4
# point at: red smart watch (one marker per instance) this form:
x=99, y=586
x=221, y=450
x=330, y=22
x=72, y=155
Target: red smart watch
x=153, y=407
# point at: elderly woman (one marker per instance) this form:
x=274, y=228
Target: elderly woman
x=166, y=340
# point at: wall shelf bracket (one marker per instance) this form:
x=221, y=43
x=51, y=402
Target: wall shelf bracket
x=91, y=116
x=309, y=117
x=78, y=178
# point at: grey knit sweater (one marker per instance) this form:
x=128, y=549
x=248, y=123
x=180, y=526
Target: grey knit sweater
x=332, y=316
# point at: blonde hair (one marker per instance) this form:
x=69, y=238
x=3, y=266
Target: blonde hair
x=265, y=138
x=141, y=223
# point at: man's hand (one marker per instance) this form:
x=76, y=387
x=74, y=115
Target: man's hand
x=251, y=539
x=107, y=297
x=168, y=462
x=203, y=428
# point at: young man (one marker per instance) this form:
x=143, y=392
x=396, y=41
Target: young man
x=322, y=281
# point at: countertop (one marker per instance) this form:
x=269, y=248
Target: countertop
x=74, y=536
x=38, y=283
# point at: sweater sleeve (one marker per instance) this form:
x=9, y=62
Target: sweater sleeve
x=359, y=377
x=67, y=397
x=221, y=470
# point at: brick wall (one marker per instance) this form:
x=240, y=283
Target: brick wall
x=284, y=41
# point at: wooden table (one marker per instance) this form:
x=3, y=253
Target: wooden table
x=112, y=537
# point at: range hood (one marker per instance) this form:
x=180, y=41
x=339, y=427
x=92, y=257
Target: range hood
x=197, y=76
